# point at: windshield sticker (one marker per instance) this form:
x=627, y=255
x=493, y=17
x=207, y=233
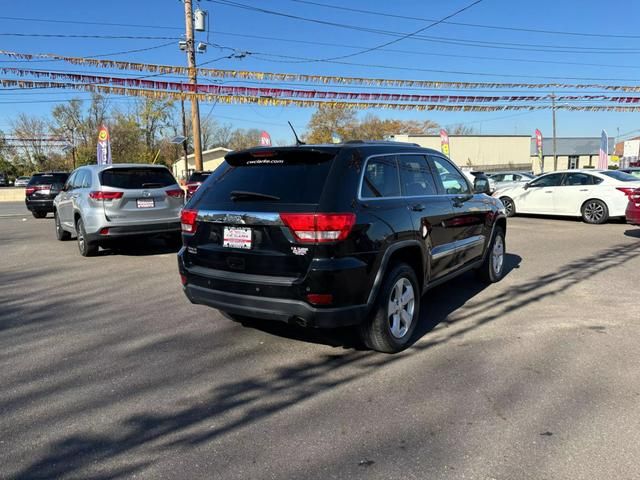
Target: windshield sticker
x=265, y=161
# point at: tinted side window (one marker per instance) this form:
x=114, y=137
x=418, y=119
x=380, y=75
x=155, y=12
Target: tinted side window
x=552, y=180
x=381, y=178
x=498, y=178
x=79, y=179
x=573, y=179
x=48, y=178
x=70, y=180
x=451, y=180
x=415, y=176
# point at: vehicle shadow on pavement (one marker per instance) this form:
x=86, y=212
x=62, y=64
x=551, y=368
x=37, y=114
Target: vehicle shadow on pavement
x=437, y=305
x=138, y=247
x=147, y=436
x=635, y=233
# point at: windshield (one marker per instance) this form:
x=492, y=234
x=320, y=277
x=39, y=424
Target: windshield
x=621, y=176
x=137, y=178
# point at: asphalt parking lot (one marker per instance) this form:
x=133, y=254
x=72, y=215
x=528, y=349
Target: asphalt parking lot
x=106, y=371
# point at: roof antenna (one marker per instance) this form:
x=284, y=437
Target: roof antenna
x=298, y=141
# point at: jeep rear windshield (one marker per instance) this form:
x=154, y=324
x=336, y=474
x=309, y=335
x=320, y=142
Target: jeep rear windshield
x=292, y=176
x=48, y=178
x=137, y=178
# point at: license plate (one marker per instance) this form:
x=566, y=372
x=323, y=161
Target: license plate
x=145, y=203
x=237, y=237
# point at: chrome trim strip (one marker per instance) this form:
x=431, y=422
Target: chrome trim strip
x=239, y=218
x=456, y=247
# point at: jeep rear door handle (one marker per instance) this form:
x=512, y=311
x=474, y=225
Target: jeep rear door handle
x=418, y=207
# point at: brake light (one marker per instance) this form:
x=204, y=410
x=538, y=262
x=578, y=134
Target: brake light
x=319, y=227
x=175, y=193
x=33, y=188
x=635, y=194
x=626, y=190
x=188, y=221
x=99, y=195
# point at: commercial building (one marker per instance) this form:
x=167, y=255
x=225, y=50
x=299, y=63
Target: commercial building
x=514, y=152
x=210, y=161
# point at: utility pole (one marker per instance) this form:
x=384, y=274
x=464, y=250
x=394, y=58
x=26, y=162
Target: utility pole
x=185, y=141
x=191, y=61
x=555, y=153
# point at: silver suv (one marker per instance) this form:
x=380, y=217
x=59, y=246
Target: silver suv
x=100, y=203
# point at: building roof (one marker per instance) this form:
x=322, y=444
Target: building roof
x=572, y=146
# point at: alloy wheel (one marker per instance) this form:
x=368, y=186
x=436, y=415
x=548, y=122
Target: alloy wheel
x=401, y=308
x=497, y=255
x=594, y=212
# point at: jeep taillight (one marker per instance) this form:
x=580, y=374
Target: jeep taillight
x=34, y=188
x=188, y=221
x=319, y=227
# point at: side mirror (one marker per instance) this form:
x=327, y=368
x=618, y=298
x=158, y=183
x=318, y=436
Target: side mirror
x=481, y=185
x=526, y=186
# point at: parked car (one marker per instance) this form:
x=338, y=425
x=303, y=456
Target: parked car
x=507, y=179
x=633, y=208
x=594, y=195
x=635, y=171
x=337, y=235
x=4, y=180
x=21, y=181
x=41, y=190
x=195, y=180
x=101, y=203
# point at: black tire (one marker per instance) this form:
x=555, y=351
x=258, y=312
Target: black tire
x=377, y=331
x=595, y=212
x=87, y=248
x=509, y=206
x=38, y=214
x=492, y=268
x=61, y=234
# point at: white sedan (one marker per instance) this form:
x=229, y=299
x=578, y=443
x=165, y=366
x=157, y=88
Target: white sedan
x=594, y=195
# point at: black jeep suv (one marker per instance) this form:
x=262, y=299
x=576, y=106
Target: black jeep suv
x=335, y=235
x=41, y=190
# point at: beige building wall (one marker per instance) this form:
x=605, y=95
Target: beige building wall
x=480, y=151
x=211, y=159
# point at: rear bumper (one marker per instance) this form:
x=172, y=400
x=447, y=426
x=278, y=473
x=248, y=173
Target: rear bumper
x=45, y=205
x=280, y=309
x=281, y=298
x=633, y=215
x=135, y=231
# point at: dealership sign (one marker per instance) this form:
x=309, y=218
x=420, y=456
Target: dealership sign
x=444, y=141
x=104, y=147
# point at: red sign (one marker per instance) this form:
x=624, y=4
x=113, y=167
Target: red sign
x=265, y=139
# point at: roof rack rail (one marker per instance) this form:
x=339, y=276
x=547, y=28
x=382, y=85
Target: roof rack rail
x=382, y=142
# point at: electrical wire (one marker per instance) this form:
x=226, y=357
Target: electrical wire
x=475, y=25
x=434, y=54
x=446, y=40
x=408, y=35
x=102, y=37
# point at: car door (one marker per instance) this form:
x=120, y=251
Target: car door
x=429, y=210
x=576, y=188
x=537, y=196
x=64, y=203
x=465, y=226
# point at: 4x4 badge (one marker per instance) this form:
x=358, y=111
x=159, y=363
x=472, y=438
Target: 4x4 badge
x=299, y=250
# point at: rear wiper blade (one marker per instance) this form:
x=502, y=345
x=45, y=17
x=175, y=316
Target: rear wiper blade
x=152, y=185
x=240, y=194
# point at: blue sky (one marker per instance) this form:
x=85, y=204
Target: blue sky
x=503, y=55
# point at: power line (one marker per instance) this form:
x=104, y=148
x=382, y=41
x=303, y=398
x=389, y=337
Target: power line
x=415, y=52
x=408, y=35
x=106, y=37
x=445, y=40
x=76, y=22
x=416, y=69
x=475, y=25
